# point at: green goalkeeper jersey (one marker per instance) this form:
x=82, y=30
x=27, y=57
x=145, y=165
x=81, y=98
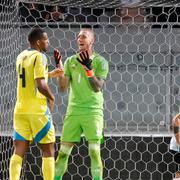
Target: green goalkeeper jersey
x=82, y=98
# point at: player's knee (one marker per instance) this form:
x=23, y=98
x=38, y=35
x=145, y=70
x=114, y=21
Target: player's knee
x=95, y=155
x=47, y=150
x=64, y=151
x=20, y=147
x=94, y=151
x=48, y=153
x=62, y=155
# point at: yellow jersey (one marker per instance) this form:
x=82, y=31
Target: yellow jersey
x=30, y=64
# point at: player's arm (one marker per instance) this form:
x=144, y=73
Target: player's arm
x=55, y=73
x=63, y=82
x=46, y=91
x=96, y=83
x=40, y=67
x=176, y=127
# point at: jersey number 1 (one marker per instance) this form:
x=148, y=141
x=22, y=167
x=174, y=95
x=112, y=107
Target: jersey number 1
x=22, y=76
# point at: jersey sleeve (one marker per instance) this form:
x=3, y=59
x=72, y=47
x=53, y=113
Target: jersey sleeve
x=102, y=69
x=40, y=66
x=66, y=68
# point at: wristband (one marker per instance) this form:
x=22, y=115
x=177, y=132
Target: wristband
x=89, y=73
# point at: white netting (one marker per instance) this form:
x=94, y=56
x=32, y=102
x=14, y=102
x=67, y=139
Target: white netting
x=141, y=92
x=141, y=47
x=106, y=3
x=10, y=46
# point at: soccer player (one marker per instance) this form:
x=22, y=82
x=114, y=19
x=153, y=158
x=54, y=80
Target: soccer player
x=175, y=144
x=85, y=73
x=34, y=104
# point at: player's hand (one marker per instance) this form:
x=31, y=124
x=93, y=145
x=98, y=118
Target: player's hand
x=85, y=60
x=56, y=73
x=58, y=58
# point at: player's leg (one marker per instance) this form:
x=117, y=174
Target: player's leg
x=62, y=159
x=96, y=162
x=92, y=128
x=20, y=148
x=22, y=138
x=44, y=134
x=70, y=134
x=48, y=161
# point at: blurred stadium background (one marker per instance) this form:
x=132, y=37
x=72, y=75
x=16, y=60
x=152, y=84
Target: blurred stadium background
x=141, y=41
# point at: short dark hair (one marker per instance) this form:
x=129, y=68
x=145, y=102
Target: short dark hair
x=35, y=34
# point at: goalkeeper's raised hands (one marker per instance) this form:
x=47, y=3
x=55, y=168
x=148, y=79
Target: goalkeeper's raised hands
x=86, y=62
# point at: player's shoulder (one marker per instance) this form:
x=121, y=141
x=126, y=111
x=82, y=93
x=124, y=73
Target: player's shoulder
x=71, y=58
x=98, y=57
x=32, y=56
x=29, y=52
x=40, y=54
x=23, y=53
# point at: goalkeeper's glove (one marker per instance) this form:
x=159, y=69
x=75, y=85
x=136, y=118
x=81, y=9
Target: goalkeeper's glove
x=58, y=57
x=86, y=62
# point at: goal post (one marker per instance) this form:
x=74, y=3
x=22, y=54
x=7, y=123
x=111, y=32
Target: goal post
x=141, y=43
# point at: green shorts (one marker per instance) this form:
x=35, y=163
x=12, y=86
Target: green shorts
x=74, y=126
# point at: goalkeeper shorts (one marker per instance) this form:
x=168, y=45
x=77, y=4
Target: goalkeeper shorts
x=35, y=127
x=89, y=125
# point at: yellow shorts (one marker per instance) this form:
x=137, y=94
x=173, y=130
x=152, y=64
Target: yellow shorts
x=29, y=127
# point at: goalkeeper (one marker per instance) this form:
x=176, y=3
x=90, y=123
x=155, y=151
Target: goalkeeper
x=85, y=73
x=32, y=113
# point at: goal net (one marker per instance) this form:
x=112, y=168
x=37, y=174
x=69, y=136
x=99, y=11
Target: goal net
x=141, y=42
x=10, y=46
